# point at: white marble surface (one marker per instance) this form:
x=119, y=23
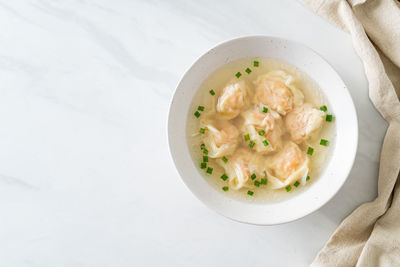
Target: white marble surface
x=85, y=174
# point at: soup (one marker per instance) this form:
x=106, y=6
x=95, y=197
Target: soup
x=259, y=129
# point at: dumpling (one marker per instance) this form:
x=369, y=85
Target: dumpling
x=232, y=99
x=220, y=138
x=241, y=166
x=276, y=90
x=303, y=121
x=265, y=129
x=287, y=166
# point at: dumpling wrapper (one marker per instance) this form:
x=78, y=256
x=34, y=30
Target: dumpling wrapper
x=287, y=166
x=255, y=120
x=304, y=121
x=241, y=166
x=232, y=99
x=277, y=91
x=220, y=138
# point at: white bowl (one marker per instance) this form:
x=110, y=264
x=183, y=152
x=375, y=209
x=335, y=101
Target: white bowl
x=324, y=187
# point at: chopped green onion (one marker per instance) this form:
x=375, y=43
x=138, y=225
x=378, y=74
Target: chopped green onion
x=201, y=108
x=202, y=130
x=197, y=114
x=224, y=159
x=253, y=176
x=250, y=193
x=256, y=63
x=329, y=117
x=296, y=184
x=247, y=137
x=203, y=165
x=202, y=146
x=265, y=109
x=251, y=144
x=257, y=183
x=225, y=188
x=263, y=180
x=261, y=132
x=288, y=188
x=205, y=151
x=205, y=158
x=308, y=178
x=324, y=142
x=238, y=75
x=265, y=142
x=310, y=150
x=323, y=108
x=209, y=170
x=212, y=92
x=224, y=177
x=248, y=70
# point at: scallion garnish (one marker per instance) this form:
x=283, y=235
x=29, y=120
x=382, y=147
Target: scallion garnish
x=202, y=130
x=251, y=144
x=323, y=108
x=247, y=137
x=202, y=146
x=205, y=151
x=308, y=178
x=225, y=188
x=209, y=170
x=296, y=184
x=201, y=108
x=250, y=193
x=212, y=92
x=203, y=165
x=324, y=142
x=310, y=150
x=261, y=132
x=256, y=63
x=205, y=158
x=329, y=117
x=264, y=181
x=224, y=177
x=238, y=74
x=257, y=183
x=197, y=114
x=224, y=159
x=265, y=142
x=248, y=70
x=288, y=188
x=253, y=176
x=265, y=109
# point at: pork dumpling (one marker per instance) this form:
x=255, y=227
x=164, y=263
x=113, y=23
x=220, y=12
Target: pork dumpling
x=241, y=166
x=232, y=99
x=303, y=121
x=265, y=129
x=220, y=138
x=276, y=90
x=287, y=166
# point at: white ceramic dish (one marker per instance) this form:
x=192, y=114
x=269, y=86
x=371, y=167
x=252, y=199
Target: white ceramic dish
x=336, y=171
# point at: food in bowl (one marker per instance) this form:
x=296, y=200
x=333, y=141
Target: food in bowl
x=260, y=129
x=327, y=173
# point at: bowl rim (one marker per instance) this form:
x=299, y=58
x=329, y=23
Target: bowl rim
x=354, y=148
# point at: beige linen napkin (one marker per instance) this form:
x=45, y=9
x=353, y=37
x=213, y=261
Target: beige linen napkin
x=370, y=236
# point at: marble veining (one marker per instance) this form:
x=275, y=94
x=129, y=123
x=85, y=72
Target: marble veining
x=86, y=178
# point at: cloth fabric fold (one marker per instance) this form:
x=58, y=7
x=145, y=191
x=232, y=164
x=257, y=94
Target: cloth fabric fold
x=370, y=236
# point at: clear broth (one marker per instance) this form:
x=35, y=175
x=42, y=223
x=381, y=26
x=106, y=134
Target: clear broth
x=217, y=81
